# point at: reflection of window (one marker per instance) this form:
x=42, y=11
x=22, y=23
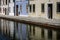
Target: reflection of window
x=58, y=6
x=27, y=8
x=42, y=32
x=20, y=8
x=17, y=26
x=42, y=7
x=33, y=7
x=30, y=8
x=0, y=9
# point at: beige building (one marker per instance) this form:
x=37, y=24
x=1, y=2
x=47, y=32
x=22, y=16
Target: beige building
x=32, y=8
x=11, y=7
x=48, y=9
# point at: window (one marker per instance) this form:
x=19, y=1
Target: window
x=58, y=6
x=20, y=8
x=16, y=10
x=13, y=0
x=26, y=0
x=20, y=0
x=6, y=2
x=17, y=0
x=9, y=1
x=0, y=9
x=9, y=9
x=30, y=8
x=13, y=9
x=27, y=8
x=31, y=0
x=3, y=2
x=0, y=2
x=33, y=7
x=3, y=10
x=42, y=7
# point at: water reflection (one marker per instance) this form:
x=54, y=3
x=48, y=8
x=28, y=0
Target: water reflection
x=21, y=31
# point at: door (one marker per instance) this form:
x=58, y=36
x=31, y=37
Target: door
x=50, y=11
x=16, y=10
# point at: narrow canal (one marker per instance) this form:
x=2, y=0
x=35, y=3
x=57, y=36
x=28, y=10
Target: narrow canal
x=13, y=30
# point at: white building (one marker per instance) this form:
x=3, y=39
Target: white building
x=11, y=7
x=11, y=13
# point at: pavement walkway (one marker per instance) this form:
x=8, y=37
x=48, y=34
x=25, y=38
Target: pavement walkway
x=34, y=19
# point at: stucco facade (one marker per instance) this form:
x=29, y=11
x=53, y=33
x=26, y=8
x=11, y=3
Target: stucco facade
x=38, y=13
x=11, y=8
x=4, y=7
x=21, y=7
x=31, y=2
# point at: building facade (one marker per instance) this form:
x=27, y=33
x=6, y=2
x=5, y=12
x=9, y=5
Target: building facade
x=32, y=8
x=45, y=8
x=3, y=11
x=11, y=7
x=7, y=8
x=21, y=7
x=4, y=7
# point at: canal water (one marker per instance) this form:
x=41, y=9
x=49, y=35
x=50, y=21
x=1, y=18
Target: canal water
x=21, y=31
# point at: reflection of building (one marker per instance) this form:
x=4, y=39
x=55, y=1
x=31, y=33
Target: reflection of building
x=21, y=7
x=4, y=7
x=11, y=7
x=45, y=8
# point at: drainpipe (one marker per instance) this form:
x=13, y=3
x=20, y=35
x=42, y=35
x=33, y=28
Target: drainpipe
x=28, y=7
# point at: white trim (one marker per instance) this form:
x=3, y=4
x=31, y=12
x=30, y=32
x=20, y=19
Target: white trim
x=11, y=14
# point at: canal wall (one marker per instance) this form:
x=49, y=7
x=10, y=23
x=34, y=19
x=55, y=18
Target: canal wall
x=34, y=27
x=48, y=23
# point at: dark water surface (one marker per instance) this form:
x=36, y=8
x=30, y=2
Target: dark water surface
x=19, y=31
